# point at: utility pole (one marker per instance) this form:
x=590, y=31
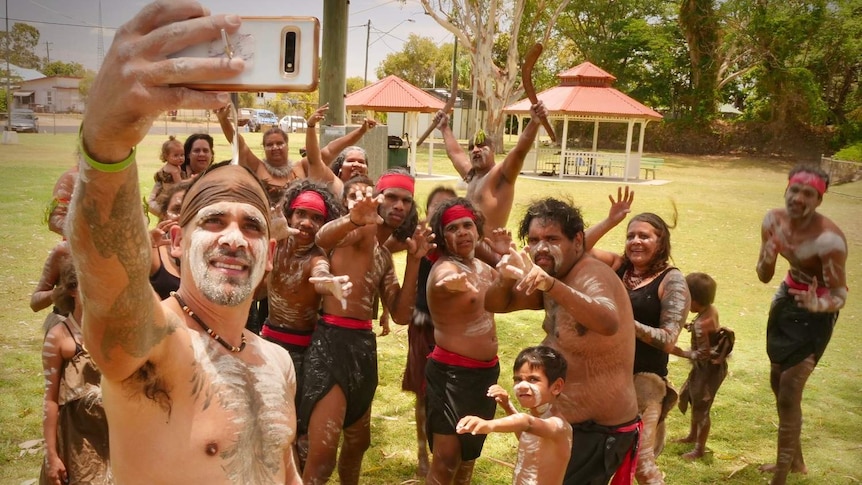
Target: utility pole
x=367, y=44
x=333, y=68
x=8, y=79
x=48, y=52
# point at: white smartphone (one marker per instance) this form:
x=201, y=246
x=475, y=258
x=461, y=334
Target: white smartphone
x=280, y=54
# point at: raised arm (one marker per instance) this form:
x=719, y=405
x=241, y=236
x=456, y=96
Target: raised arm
x=334, y=148
x=675, y=304
x=401, y=299
x=514, y=161
x=362, y=219
x=317, y=168
x=123, y=318
x=454, y=150
x=247, y=157
x=617, y=213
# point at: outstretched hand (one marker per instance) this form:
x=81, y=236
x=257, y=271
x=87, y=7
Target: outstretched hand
x=457, y=282
x=317, y=116
x=622, y=206
x=808, y=299
x=500, y=395
x=363, y=208
x=421, y=243
x=473, y=425
x=337, y=286
x=500, y=241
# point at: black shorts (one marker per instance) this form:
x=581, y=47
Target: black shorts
x=597, y=452
x=453, y=392
x=794, y=333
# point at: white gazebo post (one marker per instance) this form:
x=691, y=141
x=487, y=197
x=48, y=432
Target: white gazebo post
x=564, y=145
x=629, y=130
x=412, y=130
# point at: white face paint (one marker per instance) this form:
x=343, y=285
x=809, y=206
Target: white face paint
x=227, y=251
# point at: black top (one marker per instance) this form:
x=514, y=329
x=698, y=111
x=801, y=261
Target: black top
x=646, y=306
x=163, y=281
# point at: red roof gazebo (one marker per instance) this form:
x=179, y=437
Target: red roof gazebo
x=395, y=95
x=585, y=94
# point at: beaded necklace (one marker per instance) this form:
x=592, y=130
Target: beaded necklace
x=633, y=281
x=206, y=327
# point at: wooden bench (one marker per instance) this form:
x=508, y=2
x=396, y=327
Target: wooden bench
x=650, y=165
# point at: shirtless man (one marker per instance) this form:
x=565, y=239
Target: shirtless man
x=463, y=364
x=589, y=320
x=276, y=169
x=184, y=405
x=805, y=309
x=340, y=374
x=300, y=272
x=491, y=187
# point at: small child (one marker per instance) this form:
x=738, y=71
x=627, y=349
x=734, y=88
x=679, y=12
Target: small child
x=544, y=435
x=173, y=155
x=710, y=345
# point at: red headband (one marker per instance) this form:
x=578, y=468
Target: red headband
x=310, y=200
x=395, y=181
x=456, y=212
x=808, y=178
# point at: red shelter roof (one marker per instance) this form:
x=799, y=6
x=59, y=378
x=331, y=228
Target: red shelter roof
x=585, y=90
x=392, y=94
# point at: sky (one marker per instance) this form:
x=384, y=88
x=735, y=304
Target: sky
x=69, y=28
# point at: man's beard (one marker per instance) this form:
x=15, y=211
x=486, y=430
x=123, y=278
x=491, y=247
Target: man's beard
x=280, y=172
x=221, y=289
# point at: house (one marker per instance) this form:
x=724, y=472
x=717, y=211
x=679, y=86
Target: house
x=53, y=94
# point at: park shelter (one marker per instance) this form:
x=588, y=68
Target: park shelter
x=395, y=95
x=585, y=94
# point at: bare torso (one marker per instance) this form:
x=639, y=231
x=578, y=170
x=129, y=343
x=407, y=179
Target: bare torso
x=543, y=460
x=805, y=248
x=493, y=195
x=461, y=323
x=293, y=301
x=209, y=417
x=370, y=268
x=599, y=379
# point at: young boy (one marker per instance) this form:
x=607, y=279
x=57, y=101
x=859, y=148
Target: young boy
x=544, y=435
x=710, y=345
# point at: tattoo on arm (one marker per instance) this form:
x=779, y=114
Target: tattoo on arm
x=675, y=303
x=113, y=236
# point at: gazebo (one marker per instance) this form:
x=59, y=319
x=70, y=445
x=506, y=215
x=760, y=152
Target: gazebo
x=585, y=94
x=395, y=95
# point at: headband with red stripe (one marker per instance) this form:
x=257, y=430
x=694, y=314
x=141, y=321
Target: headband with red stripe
x=395, y=181
x=808, y=178
x=310, y=200
x=456, y=212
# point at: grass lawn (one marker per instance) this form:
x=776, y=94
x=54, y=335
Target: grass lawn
x=721, y=202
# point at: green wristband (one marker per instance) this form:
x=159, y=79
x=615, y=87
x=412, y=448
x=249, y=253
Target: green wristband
x=104, y=167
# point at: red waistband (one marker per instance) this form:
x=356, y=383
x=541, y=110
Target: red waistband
x=451, y=358
x=791, y=283
x=347, y=322
x=626, y=472
x=285, y=337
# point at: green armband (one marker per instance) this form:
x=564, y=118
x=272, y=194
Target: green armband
x=103, y=167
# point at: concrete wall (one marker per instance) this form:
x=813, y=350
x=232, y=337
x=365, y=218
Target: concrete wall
x=374, y=142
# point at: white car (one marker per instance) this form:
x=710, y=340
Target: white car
x=292, y=124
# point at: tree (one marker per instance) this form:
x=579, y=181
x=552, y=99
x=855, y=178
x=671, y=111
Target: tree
x=60, y=68
x=354, y=83
x=699, y=20
x=21, y=43
x=85, y=84
x=477, y=24
x=423, y=63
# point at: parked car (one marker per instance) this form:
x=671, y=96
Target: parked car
x=262, y=119
x=292, y=124
x=244, y=114
x=24, y=121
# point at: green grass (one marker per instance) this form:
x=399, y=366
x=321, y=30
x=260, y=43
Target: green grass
x=721, y=201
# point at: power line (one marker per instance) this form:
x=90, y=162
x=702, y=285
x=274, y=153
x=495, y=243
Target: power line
x=89, y=26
